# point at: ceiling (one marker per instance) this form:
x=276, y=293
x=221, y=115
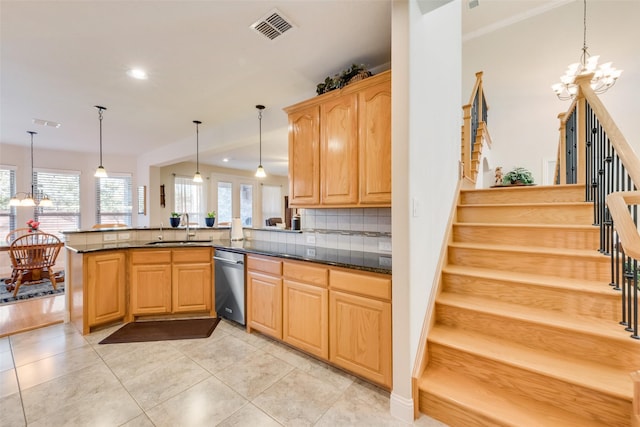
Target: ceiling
x=61, y=58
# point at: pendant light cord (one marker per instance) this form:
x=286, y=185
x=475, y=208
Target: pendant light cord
x=32, y=186
x=100, y=110
x=260, y=128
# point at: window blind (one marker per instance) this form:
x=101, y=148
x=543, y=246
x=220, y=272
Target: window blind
x=7, y=189
x=114, y=199
x=63, y=188
x=189, y=198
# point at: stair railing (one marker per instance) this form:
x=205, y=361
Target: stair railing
x=610, y=169
x=474, y=127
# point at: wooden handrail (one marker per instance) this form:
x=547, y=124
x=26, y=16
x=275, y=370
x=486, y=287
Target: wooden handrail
x=466, y=152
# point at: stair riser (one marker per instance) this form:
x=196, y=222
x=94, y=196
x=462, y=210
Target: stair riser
x=609, y=410
x=597, y=267
x=527, y=214
x=564, y=300
x=537, y=194
x=453, y=414
x=579, y=344
x=528, y=236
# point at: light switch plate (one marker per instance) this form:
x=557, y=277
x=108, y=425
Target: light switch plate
x=123, y=236
x=109, y=237
x=311, y=239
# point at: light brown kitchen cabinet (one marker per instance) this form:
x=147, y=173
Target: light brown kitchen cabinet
x=191, y=280
x=170, y=281
x=104, y=298
x=374, y=109
x=352, y=166
x=304, y=156
x=264, y=295
x=150, y=283
x=360, y=324
x=339, y=151
x=306, y=307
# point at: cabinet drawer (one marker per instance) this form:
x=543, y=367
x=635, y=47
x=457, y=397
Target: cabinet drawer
x=155, y=256
x=368, y=284
x=265, y=264
x=192, y=255
x=306, y=273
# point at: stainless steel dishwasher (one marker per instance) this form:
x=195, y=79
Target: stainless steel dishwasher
x=230, y=285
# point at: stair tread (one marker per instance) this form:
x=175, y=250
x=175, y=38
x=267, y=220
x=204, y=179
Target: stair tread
x=529, y=225
x=531, y=249
x=556, y=319
x=582, y=285
x=495, y=404
x=520, y=205
x=602, y=378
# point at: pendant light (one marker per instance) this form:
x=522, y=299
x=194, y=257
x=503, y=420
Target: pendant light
x=197, y=177
x=31, y=199
x=260, y=171
x=101, y=172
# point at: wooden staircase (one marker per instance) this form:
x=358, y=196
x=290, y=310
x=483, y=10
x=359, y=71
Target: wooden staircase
x=526, y=326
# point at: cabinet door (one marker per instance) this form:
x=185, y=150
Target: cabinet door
x=192, y=284
x=374, y=109
x=360, y=336
x=150, y=289
x=306, y=317
x=339, y=151
x=105, y=287
x=304, y=157
x=264, y=304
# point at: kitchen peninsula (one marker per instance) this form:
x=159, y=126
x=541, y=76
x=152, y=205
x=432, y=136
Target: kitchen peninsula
x=334, y=304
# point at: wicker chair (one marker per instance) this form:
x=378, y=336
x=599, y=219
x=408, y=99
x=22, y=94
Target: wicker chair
x=33, y=257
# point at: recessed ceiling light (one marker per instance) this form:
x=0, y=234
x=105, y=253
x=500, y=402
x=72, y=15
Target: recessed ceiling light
x=226, y=159
x=137, y=73
x=46, y=123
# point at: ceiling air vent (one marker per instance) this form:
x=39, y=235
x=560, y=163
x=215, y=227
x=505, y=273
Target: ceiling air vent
x=272, y=25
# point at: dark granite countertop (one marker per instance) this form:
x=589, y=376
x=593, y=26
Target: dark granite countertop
x=366, y=261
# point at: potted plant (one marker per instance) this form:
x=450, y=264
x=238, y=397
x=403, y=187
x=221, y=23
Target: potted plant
x=210, y=219
x=174, y=219
x=518, y=176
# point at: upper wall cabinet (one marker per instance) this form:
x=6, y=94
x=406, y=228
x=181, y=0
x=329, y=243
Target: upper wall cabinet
x=340, y=147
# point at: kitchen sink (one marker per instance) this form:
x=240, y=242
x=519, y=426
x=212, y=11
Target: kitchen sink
x=176, y=242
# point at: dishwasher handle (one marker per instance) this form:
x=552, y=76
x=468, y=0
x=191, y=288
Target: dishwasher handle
x=228, y=261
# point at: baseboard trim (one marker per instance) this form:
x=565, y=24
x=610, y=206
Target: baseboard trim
x=401, y=408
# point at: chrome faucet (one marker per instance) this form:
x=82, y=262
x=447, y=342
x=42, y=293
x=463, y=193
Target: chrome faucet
x=188, y=233
x=161, y=236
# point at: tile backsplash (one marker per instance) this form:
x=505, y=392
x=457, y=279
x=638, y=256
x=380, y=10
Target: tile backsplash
x=377, y=220
x=359, y=229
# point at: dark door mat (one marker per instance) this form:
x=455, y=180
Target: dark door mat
x=163, y=330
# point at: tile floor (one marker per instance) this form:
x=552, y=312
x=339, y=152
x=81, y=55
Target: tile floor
x=56, y=377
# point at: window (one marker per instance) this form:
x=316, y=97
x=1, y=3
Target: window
x=246, y=204
x=234, y=197
x=271, y=201
x=225, y=202
x=63, y=188
x=7, y=189
x=114, y=200
x=189, y=198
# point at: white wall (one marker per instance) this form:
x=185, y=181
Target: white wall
x=20, y=157
x=421, y=211
x=522, y=61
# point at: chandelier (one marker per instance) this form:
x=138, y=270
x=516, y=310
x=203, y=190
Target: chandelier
x=602, y=79
x=35, y=197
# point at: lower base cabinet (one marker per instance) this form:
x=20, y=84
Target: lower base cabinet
x=305, y=308
x=170, y=281
x=360, y=331
x=105, y=275
x=340, y=315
